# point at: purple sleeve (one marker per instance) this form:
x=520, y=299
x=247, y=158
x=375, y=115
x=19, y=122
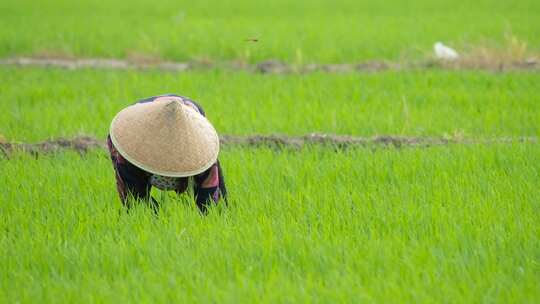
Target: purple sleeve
x=209, y=187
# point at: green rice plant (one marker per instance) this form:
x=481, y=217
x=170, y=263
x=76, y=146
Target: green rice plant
x=441, y=224
x=318, y=30
x=42, y=103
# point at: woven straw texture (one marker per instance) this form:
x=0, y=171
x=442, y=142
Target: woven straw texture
x=165, y=137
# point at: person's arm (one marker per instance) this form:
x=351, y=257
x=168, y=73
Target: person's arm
x=209, y=187
x=130, y=180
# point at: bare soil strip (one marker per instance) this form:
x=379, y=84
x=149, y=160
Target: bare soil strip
x=83, y=144
x=276, y=66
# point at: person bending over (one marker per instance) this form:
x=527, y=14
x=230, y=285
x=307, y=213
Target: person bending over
x=163, y=141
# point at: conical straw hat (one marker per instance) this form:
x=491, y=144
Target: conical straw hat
x=165, y=137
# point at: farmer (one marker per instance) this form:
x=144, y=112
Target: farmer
x=163, y=141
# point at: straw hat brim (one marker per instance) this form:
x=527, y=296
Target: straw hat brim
x=165, y=137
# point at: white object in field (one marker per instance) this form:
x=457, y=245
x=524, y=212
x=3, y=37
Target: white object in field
x=444, y=52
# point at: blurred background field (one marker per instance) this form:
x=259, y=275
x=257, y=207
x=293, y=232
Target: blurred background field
x=293, y=31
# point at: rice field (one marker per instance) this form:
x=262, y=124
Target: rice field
x=293, y=31
x=455, y=224
x=46, y=103
x=449, y=223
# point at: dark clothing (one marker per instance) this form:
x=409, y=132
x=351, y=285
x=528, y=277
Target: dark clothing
x=208, y=186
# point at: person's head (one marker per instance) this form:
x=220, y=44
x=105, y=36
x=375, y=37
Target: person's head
x=165, y=137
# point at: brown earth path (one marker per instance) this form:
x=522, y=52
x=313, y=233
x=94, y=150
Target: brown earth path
x=276, y=66
x=83, y=144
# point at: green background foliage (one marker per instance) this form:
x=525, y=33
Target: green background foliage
x=293, y=31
